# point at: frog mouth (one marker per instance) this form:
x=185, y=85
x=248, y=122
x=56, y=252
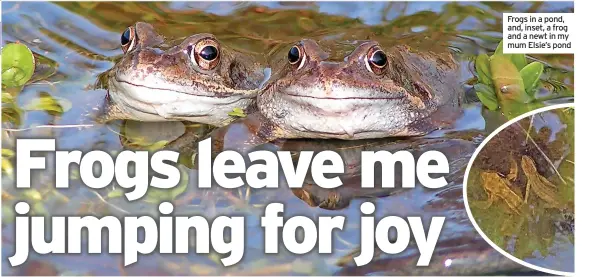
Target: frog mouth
x=343, y=98
x=340, y=92
x=171, y=103
x=142, y=91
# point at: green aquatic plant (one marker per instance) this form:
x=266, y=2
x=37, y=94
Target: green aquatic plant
x=51, y=104
x=507, y=82
x=20, y=67
x=11, y=112
x=237, y=112
x=18, y=64
x=149, y=136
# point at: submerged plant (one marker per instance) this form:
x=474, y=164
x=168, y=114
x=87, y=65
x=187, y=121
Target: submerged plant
x=521, y=186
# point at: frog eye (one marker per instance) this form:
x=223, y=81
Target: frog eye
x=128, y=39
x=376, y=60
x=209, y=53
x=206, y=54
x=296, y=55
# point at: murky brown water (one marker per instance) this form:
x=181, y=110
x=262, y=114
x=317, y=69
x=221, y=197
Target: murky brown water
x=536, y=158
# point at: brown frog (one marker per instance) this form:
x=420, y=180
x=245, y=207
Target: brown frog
x=369, y=94
x=372, y=93
x=198, y=79
x=498, y=187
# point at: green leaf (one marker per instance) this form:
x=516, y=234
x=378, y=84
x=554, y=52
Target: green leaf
x=531, y=75
x=48, y=103
x=499, y=49
x=519, y=60
x=157, y=145
x=483, y=69
x=487, y=90
x=507, y=81
x=514, y=109
x=7, y=97
x=11, y=112
x=490, y=103
x=238, y=112
x=499, y=52
x=18, y=64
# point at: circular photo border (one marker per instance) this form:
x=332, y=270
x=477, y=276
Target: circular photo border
x=467, y=172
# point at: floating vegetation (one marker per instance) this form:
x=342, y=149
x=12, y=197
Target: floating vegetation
x=237, y=112
x=52, y=104
x=18, y=65
x=508, y=82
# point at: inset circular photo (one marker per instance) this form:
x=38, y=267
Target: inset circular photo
x=519, y=189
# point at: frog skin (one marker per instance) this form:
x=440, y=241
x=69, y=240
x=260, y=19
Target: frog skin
x=198, y=79
x=372, y=93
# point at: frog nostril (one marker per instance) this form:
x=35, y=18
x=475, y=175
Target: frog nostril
x=422, y=90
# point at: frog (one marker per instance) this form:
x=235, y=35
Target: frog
x=199, y=79
x=499, y=187
x=371, y=93
x=539, y=185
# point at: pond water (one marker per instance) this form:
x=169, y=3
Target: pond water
x=76, y=42
x=542, y=232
